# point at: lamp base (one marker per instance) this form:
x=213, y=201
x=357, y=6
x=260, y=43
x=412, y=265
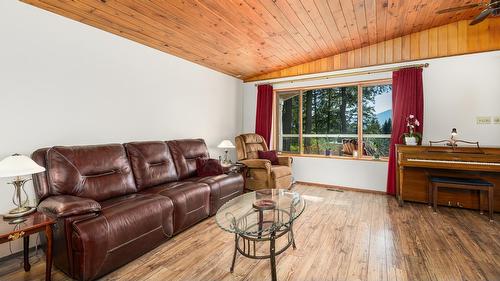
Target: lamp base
x=19, y=212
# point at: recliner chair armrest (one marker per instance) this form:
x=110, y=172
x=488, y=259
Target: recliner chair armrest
x=257, y=164
x=285, y=160
x=68, y=205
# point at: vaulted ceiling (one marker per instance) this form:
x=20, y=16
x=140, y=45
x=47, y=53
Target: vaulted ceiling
x=245, y=38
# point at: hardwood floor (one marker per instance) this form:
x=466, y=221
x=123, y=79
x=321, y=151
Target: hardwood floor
x=340, y=236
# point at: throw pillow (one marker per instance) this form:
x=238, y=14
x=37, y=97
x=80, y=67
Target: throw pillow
x=270, y=155
x=206, y=167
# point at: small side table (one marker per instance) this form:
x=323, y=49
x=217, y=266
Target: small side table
x=34, y=223
x=237, y=168
x=232, y=168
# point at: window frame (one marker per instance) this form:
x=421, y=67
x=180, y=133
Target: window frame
x=301, y=90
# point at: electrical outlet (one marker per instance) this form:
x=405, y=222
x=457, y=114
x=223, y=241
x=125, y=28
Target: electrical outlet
x=496, y=120
x=481, y=120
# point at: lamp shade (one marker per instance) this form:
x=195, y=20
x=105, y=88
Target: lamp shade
x=18, y=165
x=226, y=144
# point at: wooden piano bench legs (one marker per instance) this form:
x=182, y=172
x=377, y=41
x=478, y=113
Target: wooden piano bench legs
x=435, y=182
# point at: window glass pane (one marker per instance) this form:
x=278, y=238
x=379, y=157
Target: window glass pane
x=330, y=120
x=288, y=134
x=377, y=120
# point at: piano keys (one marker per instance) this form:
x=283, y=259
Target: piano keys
x=416, y=163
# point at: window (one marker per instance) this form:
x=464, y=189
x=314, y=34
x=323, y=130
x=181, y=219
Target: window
x=325, y=121
x=329, y=117
x=377, y=119
x=289, y=120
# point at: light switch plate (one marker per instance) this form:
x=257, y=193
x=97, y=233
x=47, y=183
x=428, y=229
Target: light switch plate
x=496, y=120
x=481, y=120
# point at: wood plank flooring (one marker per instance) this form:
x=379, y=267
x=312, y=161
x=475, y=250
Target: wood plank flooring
x=340, y=236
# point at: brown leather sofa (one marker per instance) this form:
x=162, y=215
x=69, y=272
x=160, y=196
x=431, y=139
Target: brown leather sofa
x=261, y=174
x=115, y=202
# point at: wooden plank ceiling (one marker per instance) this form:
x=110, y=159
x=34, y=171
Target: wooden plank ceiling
x=247, y=38
x=451, y=39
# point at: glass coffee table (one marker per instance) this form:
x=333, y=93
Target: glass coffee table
x=259, y=218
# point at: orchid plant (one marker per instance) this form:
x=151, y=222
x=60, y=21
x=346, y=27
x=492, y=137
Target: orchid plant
x=411, y=124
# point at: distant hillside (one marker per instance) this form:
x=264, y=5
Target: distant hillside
x=383, y=116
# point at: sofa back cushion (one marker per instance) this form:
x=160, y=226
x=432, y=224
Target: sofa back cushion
x=151, y=163
x=185, y=152
x=98, y=172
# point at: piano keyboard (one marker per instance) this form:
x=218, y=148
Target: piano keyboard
x=454, y=162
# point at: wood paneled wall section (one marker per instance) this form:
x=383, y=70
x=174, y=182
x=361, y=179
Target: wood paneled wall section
x=448, y=40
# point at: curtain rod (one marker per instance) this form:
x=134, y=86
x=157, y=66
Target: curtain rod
x=345, y=74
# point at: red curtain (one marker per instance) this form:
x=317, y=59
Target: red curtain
x=407, y=98
x=264, y=115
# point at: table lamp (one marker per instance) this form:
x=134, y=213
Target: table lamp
x=16, y=166
x=226, y=144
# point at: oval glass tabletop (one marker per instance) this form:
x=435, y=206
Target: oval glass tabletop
x=260, y=212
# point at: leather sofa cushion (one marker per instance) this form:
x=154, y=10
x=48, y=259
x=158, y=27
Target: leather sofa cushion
x=125, y=225
x=185, y=152
x=222, y=188
x=151, y=163
x=280, y=171
x=98, y=172
x=135, y=214
x=191, y=201
x=67, y=205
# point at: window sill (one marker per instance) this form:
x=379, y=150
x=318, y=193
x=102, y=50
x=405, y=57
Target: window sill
x=365, y=158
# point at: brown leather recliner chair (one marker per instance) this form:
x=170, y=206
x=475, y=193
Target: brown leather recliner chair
x=261, y=174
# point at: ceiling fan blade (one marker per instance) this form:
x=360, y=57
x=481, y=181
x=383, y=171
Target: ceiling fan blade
x=482, y=16
x=460, y=8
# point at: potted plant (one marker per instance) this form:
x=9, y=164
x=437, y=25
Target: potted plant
x=376, y=154
x=412, y=137
x=328, y=150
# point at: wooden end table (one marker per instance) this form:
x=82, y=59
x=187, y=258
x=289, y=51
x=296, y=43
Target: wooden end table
x=237, y=168
x=34, y=223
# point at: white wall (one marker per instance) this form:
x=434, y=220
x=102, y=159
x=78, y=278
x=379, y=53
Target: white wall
x=66, y=83
x=456, y=91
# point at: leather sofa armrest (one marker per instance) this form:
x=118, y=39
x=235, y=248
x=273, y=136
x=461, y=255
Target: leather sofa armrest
x=67, y=205
x=285, y=161
x=257, y=164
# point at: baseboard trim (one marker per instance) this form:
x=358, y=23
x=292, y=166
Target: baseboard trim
x=341, y=187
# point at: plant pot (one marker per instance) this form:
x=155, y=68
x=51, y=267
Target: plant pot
x=410, y=140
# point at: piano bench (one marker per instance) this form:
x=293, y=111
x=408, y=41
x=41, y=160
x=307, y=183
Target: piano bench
x=480, y=185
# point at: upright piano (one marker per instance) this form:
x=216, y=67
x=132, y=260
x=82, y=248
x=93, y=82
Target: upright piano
x=416, y=163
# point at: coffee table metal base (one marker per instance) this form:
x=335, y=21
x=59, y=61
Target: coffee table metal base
x=249, y=246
